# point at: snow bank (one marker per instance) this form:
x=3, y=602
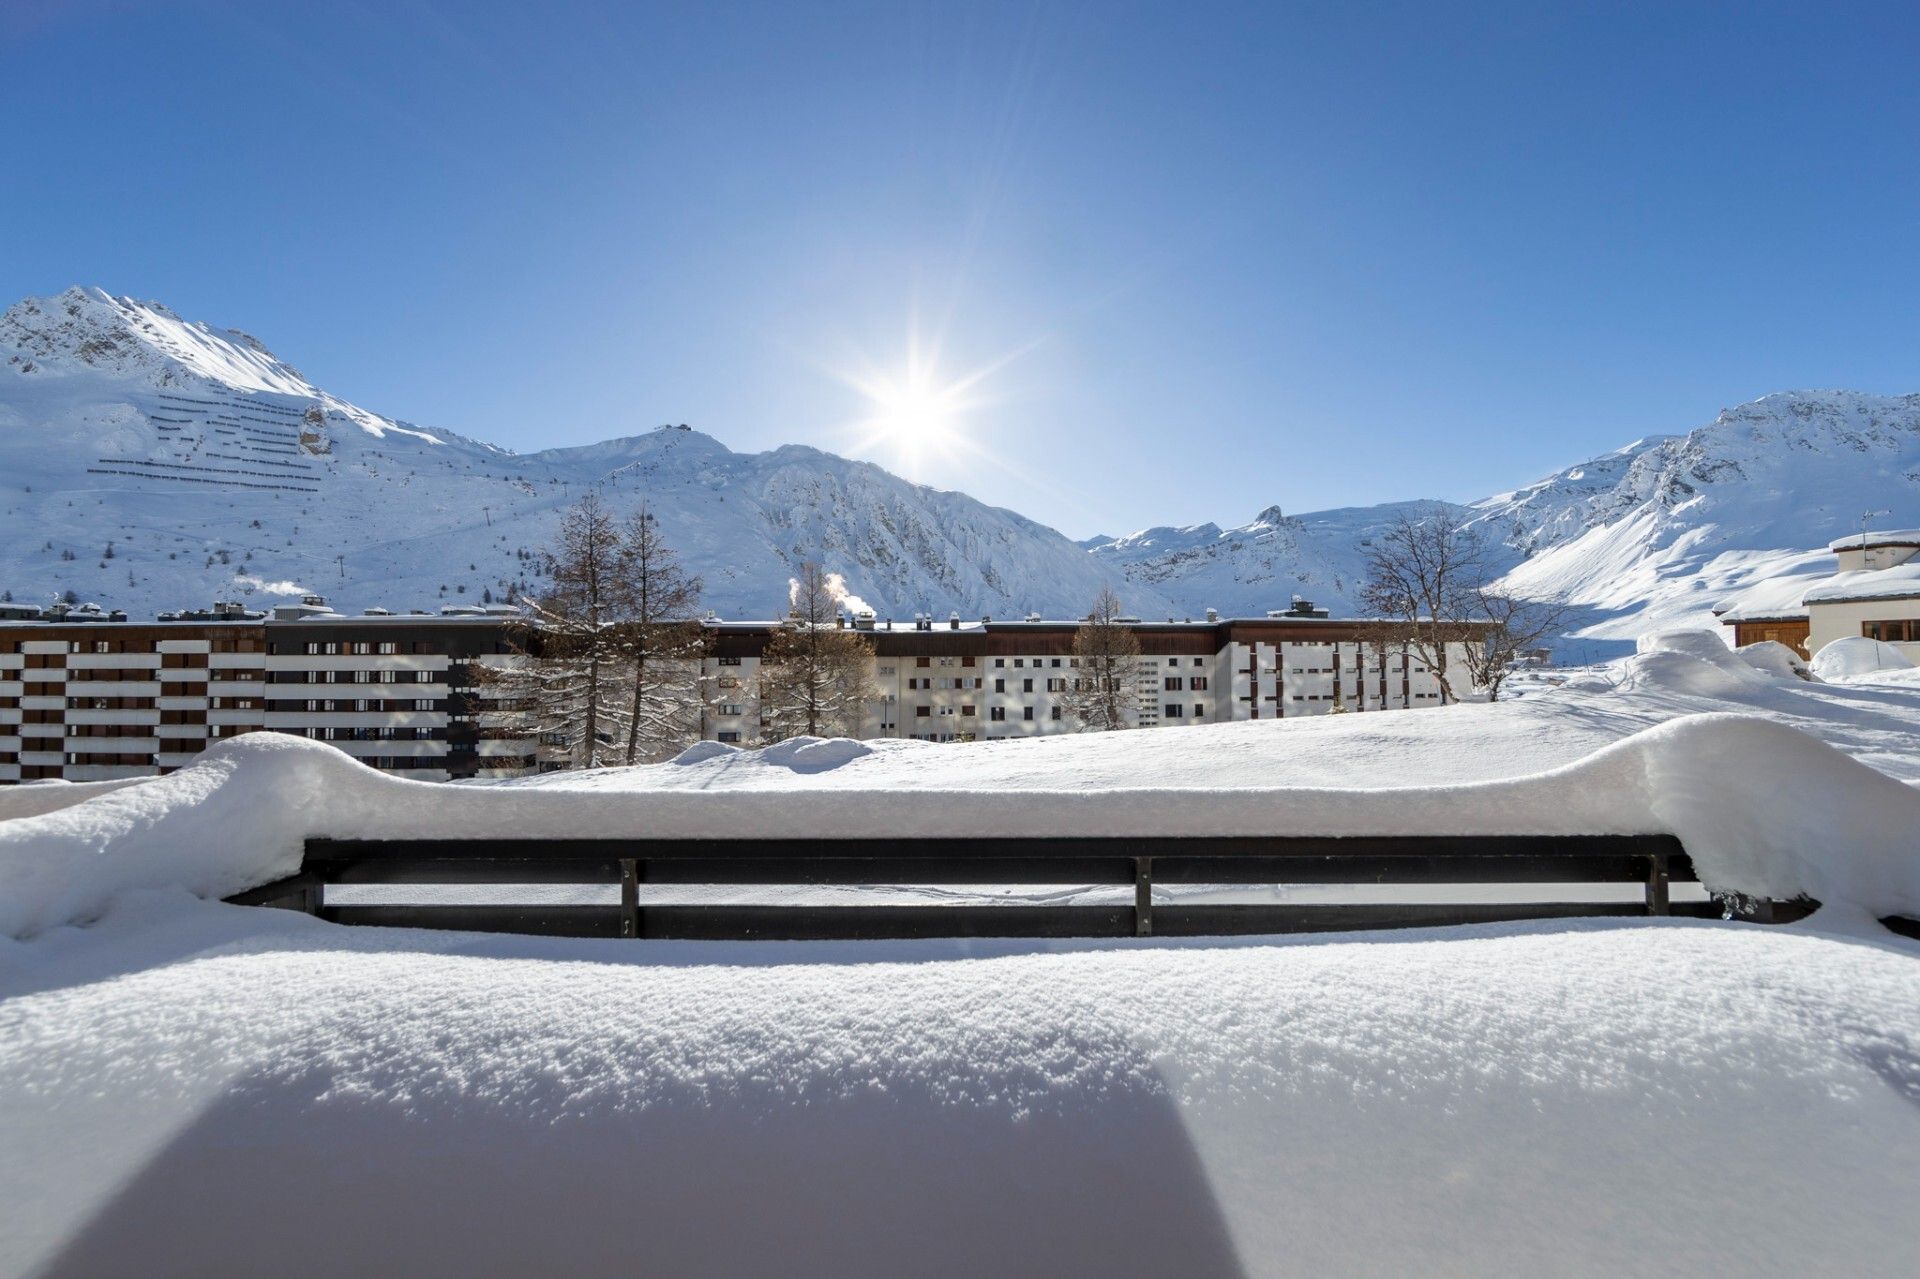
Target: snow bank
x=1629, y=1099
x=1856, y=655
x=232, y=819
x=1774, y=658
x=30, y=799
x=1764, y=809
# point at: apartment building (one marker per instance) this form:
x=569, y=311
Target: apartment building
x=96, y=699
x=86, y=695
x=974, y=681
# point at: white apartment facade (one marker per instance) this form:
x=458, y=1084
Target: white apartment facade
x=975, y=681
x=104, y=698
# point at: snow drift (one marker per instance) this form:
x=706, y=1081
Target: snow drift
x=1629, y=1097
x=1856, y=655
x=1764, y=809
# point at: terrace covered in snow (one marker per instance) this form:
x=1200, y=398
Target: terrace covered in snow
x=1567, y=1097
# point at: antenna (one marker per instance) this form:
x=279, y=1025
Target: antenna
x=1864, y=517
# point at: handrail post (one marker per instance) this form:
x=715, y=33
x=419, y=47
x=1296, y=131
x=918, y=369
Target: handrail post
x=629, y=897
x=1143, y=897
x=1657, y=896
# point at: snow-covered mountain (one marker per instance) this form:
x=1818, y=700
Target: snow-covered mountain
x=1659, y=532
x=1652, y=535
x=148, y=462
x=1260, y=565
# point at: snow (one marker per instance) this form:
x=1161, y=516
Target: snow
x=1902, y=581
x=1776, y=600
x=1773, y=658
x=112, y=411
x=1852, y=656
x=1513, y=1100
x=118, y=420
x=1888, y=537
x=1567, y=1097
x=1685, y=738
x=1652, y=536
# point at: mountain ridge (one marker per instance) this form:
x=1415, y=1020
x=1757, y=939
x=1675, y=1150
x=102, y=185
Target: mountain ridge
x=105, y=398
x=113, y=397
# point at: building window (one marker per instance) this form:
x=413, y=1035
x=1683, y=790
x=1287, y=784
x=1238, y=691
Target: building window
x=1026, y=713
x=729, y=661
x=998, y=714
x=922, y=712
x=966, y=710
x=1174, y=712
x=999, y=686
x=729, y=736
x=1198, y=683
x=1173, y=683
x=1026, y=686
x=1055, y=714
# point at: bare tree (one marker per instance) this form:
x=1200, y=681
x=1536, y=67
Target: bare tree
x=561, y=682
x=1429, y=586
x=1106, y=656
x=1513, y=626
x=816, y=676
x=660, y=641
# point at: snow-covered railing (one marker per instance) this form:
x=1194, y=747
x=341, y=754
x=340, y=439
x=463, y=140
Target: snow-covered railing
x=1650, y=861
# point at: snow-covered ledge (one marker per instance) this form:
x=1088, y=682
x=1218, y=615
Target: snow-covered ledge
x=1764, y=810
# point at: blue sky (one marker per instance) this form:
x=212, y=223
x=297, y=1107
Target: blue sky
x=1216, y=257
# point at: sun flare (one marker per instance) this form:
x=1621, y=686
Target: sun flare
x=921, y=419
x=915, y=416
x=914, y=412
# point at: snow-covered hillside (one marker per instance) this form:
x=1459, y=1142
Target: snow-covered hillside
x=1648, y=537
x=1658, y=533
x=149, y=462
x=1263, y=564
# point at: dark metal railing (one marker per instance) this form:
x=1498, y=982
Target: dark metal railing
x=1651, y=862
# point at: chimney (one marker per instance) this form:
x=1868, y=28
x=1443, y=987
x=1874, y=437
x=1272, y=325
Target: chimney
x=1213, y=615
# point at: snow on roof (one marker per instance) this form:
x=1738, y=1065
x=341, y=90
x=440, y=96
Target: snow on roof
x=1771, y=601
x=1897, y=583
x=1892, y=537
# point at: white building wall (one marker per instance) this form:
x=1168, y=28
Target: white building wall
x=1827, y=622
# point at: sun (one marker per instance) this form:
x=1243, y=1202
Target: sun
x=914, y=416
x=920, y=418
x=914, y=413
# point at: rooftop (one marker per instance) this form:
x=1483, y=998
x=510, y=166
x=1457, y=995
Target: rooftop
x=1897, y=583
x=1891, y=537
